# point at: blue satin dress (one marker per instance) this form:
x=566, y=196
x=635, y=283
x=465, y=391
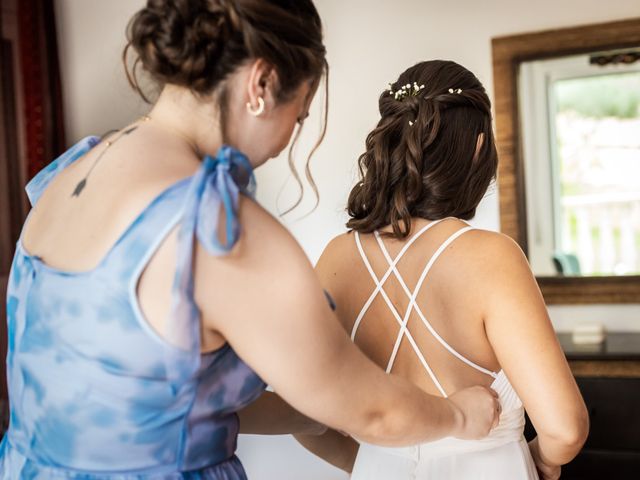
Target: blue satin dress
x=95, y=393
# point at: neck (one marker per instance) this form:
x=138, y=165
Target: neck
x=195, y=121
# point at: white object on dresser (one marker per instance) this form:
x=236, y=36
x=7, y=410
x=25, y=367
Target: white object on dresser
x=588, y=334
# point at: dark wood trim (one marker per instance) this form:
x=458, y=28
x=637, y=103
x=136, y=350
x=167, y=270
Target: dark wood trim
x=508, y=53
x=10, y=120
x=589, y=290
x=602, y=369
x=8, y=160
x=44, y=123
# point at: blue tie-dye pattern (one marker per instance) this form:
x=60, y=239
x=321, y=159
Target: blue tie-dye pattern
x=12, y=309
x=55, y=424
x=17, y=273
x=103, y=417
x=94, y=392
x=33, y=385
x=217, y=399
x=37, y=336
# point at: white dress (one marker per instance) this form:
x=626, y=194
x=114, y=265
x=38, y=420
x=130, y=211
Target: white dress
x=503, y=455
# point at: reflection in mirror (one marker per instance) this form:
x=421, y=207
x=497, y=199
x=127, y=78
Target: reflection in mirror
x=580, y=124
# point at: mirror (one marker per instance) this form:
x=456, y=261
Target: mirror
x=580, y=134
x=568, y=133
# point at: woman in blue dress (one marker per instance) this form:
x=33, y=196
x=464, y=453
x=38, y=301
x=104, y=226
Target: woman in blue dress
x=151, y=298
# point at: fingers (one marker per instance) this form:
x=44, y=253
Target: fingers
x=481, y=408
x=496, y=417
x=497, y=406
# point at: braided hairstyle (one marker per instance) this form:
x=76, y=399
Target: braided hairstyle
x=432, y=154
x=198, y=43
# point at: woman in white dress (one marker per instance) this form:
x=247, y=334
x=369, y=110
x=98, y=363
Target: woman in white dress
x=445, y=305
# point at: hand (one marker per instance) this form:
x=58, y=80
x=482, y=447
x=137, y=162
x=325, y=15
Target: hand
x=546, y=471
x=478, y=412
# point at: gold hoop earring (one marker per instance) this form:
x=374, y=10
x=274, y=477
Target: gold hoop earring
x=258, y=111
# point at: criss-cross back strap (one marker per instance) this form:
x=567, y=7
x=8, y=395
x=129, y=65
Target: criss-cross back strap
x=414, y=306
x=384, y=278
x=379, y=289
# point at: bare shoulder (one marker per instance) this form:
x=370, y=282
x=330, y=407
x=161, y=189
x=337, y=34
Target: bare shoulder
x=255, y=219
x=483, y=249
x=264, y=243
x=337, y=268
x=494, y=247
x=266, y=272
x=338, y=263
x=486, y=259
x=494, y=265
x=338, y=248
x=492, y=273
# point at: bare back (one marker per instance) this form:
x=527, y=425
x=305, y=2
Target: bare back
x=435, y=266
x=75, y=233
x=478, y=318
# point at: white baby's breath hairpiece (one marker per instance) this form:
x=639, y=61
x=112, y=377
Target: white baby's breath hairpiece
x=405, y=91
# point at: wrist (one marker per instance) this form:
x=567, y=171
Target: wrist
x=533, y=448
x=457, y=419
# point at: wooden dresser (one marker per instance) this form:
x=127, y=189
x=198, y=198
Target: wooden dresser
x=609, y=378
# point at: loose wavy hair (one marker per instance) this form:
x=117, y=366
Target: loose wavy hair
x=432, y=155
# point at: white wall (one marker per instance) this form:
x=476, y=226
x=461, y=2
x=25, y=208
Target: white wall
x=96, y=94
x=370, y=42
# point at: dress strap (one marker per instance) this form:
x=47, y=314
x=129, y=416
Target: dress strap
x=41, y=181
x=384, y=278
x=414, y=306
x=401, y=321
x=215, y=187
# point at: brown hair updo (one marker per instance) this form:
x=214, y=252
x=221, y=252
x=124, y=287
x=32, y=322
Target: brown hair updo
x=198, y=43
x=421, y=159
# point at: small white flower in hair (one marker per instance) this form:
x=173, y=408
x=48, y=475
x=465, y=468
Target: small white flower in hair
x=406, y=91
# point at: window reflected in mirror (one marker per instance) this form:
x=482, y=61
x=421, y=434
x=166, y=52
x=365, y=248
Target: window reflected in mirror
x=580, y=128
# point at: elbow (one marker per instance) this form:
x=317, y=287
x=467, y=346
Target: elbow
x=374, y=427
x=571, y=436
x=381, y=428
x=577, y=432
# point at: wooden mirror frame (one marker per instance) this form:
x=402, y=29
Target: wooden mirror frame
x=508, y=53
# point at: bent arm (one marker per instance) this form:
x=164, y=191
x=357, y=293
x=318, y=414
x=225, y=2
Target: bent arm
x=270, y=307
x=525, y=343
x=271, y=415
x=333, y=447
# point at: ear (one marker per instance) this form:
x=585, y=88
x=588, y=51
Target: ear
x=263, y=82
